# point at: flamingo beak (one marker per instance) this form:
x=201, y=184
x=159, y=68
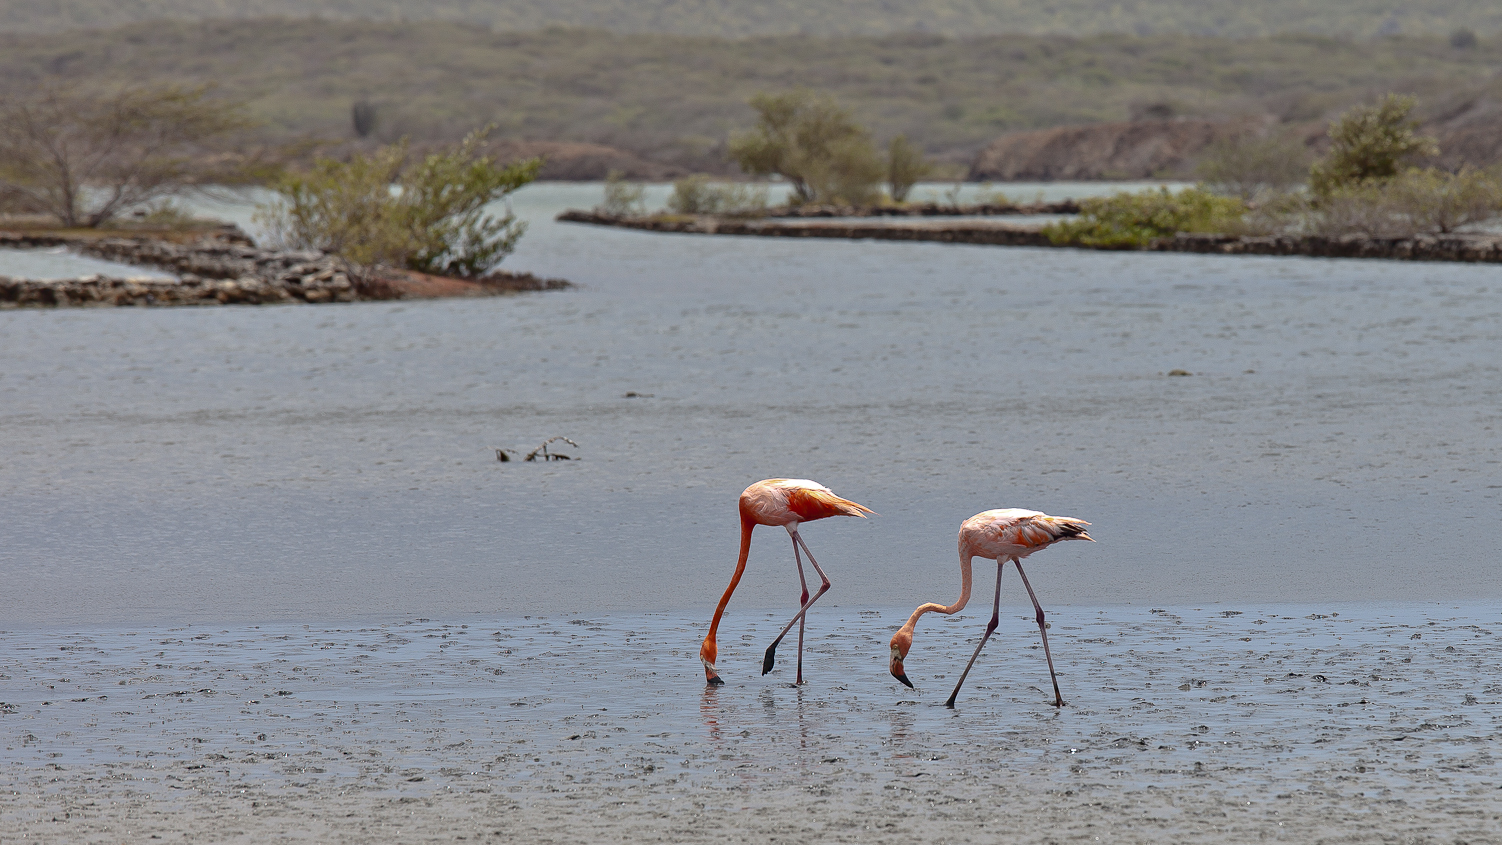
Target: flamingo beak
x=897, y=670
x=711, y=677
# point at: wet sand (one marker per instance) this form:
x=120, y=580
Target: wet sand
x=1213, y=723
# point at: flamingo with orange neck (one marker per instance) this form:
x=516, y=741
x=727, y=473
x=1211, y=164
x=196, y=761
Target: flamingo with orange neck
x=786, y=502
x=1002, y=535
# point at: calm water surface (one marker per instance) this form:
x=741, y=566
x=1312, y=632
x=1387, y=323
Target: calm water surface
x=1337, y=439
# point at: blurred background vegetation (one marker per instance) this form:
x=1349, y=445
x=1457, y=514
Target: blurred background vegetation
x=678, y=98
x=742, y=18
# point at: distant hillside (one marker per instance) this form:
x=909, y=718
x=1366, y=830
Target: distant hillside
x=741, y=18
x=675, y=99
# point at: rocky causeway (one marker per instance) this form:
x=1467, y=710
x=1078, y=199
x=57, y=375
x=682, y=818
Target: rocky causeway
x=224, y=267
x=1467, y=247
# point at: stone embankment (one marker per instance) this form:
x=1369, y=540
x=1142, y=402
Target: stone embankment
x=1485, y=248
x=224, y=268
x=1474, y=248
x=924, y=209
x=964, y=232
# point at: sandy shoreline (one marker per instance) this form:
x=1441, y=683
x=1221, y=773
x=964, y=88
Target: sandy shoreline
x=1373, y=723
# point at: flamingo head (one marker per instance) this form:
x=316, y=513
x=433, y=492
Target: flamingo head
x=901, y=642
x=707, y=654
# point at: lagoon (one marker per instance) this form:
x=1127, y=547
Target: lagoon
x=264, y=571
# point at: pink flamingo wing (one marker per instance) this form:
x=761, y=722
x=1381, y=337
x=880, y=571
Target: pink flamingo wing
x=810, y=504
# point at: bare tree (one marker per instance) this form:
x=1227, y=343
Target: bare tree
x=86, y=157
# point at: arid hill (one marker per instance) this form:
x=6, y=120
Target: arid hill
x=743, y=18
x=1140, y=149
x=566, y=161
x=1469, y=133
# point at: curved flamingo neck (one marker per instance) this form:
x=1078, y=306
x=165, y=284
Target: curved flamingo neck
x=934, y=607
x=740, y=569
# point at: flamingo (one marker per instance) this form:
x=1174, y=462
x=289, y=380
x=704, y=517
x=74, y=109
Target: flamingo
x=1004, y=534
x=786, y=502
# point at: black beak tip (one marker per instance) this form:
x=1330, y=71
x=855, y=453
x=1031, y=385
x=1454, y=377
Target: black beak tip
x=905, y=681
x=715, y=681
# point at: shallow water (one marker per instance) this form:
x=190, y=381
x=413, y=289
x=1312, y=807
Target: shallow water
x=59, y=263
x=1286, y=722
x=1337, y=441
x=208, y=508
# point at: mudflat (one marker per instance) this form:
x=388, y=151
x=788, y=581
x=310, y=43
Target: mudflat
x=1214, y=723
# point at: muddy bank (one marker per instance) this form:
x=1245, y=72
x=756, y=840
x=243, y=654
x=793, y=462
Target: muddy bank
x=225, y=268
x=1184, y=724
x=1475, y=248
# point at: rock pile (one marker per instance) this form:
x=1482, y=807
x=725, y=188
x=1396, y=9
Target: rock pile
x=219, y=269
x=225, y=268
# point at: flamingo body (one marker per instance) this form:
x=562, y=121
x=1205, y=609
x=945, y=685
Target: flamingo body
x=789, y=501
x=786, y=502
x=1000, y=535
x=1014, y=533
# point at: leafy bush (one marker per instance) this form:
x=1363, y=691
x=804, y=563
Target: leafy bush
x=697, y=195
x=905, y=167
x=1414, y=202
x=813, y=143
x=1252, y=166
x=1126, y=220
x=622, y=198
x=1370, y=143
x=433, y=221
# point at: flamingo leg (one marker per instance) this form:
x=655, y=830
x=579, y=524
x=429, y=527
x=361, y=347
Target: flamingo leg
x=1058, y=700
x=802, y=623
x=771, y=656
x=990, y=629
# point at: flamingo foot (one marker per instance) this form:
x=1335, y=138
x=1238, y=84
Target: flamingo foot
x=950, y=702
x=769, y=659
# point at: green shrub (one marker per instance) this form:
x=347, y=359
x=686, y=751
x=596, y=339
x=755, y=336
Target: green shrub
x=1369, y=143
x=378, y=209
x=1125, y=221
x=1414, y=202
x=622, y=198
x=697, y=195
x=813, y=143
x=905, y=167
x=1251, y=166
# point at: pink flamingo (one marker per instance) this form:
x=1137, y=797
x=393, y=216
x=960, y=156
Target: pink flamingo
x=785, y=502
x=1006, y=534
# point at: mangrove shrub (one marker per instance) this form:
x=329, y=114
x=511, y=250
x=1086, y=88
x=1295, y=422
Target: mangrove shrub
x=697, y=195
x=1370, y=143
x=622, y=198
x=1250, y=166
x=1127, y=221
x=1416, y=201
x=429, y=215
x=905, y=167
x=815, y=144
